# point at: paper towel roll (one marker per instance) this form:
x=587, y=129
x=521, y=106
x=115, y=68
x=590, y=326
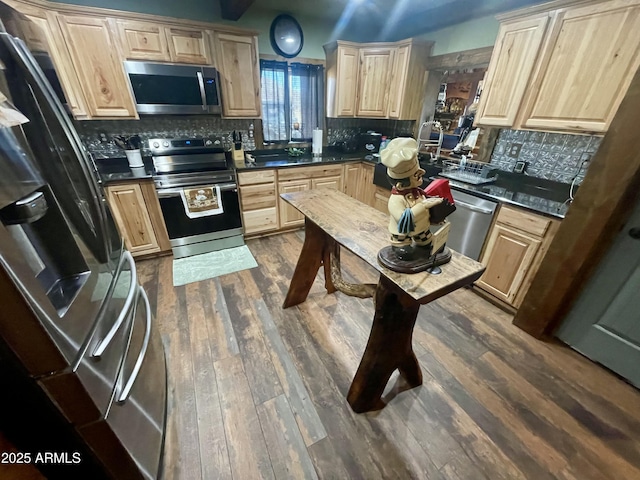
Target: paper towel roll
x=316, y=144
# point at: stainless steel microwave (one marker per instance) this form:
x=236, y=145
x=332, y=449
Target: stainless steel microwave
x=174, y=89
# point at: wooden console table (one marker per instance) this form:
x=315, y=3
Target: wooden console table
x=334, y=220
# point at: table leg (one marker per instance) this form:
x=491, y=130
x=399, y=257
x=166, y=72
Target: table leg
x=315, y=252
x=389, y=347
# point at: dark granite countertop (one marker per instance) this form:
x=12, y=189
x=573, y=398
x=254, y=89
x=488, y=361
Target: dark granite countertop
x=537, y=195
x=279, y=159
x=118, y=169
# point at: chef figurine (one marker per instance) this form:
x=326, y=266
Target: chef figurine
x=408, y=205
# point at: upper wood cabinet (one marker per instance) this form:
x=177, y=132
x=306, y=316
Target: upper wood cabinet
x=374, y=81
x=381, y=80
x=512, y=62
x=237, y=61
x=564, y=69
x=43, y=34
x=143, y=41
x=97, y=61
x=187, y=45
x=588, y=64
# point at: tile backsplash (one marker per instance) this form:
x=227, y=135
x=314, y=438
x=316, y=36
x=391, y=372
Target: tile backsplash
x=341, y=129
x=552, y=156
x=160, y=126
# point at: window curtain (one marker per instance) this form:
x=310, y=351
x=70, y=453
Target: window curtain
x=307, y=100
x=275, y=100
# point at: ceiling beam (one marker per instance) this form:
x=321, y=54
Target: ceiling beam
x=477, y=57
x=234, y=9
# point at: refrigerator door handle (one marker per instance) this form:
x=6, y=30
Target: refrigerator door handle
x=143, y=350
x=104, y=343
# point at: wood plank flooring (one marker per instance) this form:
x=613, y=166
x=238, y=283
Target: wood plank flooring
x=256, y=391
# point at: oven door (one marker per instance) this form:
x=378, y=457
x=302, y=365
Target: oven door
x=192, y=236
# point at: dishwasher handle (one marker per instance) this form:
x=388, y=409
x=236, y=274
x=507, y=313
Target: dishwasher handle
x=473, y=208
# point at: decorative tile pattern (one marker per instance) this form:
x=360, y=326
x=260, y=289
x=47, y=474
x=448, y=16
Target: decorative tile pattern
x=561, y=157
x=161, y=126
x=341, y=129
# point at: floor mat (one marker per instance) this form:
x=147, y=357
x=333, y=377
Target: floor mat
x=212, y=264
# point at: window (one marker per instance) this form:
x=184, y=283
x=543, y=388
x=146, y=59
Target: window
x=292, y=100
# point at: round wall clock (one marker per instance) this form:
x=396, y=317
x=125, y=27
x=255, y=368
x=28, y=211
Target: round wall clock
x=286, y=36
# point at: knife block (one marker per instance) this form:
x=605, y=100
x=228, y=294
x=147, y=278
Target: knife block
x=238, y=157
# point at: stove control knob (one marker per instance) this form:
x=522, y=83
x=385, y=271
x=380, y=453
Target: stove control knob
x=217, y=142
x=156, y=145
x=165, y=144
x=208, y=142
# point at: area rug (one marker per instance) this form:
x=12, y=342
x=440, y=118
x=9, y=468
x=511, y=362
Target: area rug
x=212, y=264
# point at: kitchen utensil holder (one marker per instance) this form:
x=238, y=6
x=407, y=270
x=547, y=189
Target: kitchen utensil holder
x=134, y=158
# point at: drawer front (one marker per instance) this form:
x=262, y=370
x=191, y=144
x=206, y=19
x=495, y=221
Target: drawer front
x=296, y=173
x=255, y=197
x=258, y=221
x=527, y=222
x=251, y=178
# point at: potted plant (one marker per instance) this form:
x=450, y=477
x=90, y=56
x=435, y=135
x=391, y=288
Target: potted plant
x=131, y=146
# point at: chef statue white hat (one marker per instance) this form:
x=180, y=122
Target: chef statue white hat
x=401, y=158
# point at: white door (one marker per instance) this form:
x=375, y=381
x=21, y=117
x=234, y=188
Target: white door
x=604, y=324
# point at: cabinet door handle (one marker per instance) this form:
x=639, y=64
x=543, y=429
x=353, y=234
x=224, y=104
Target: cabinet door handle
x=203, y=94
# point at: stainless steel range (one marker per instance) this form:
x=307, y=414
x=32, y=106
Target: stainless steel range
x=181, y=165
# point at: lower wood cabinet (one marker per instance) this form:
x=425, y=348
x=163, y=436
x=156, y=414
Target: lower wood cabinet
x=516, y=245
x=259, y=201
x=289, y=216
x=136, y=211
x=381, y=199
x=358, y=182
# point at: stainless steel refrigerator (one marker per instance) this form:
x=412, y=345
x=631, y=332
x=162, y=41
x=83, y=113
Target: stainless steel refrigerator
x=76, y=328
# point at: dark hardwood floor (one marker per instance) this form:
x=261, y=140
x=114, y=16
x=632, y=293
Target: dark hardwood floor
x=259, y=392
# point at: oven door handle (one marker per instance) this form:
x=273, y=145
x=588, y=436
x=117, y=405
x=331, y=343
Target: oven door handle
x=175, y=192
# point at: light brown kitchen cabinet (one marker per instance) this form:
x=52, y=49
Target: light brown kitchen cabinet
x=345, y=84
x=516, y=245
x=188, y=45
x=258, y=200
x=136, y=211
x=143, y=40
x=289, y=216
x=45, y=35
x=358, y=182
x=509, y=73
x=376, y=80
x=298, y=179
x=591, y=57
x=96, y=58
x=237, y=61
x=381, y=199
x=562, y=66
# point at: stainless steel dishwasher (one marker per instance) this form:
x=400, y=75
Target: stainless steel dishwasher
x=470, y=223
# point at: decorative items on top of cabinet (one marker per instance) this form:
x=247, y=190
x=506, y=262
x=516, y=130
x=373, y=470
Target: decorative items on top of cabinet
x=376, y=80
x=136, y=211
x=562, y=66
x=516, y=245
x=258, y=200
x=237, y=61
x=96, y=58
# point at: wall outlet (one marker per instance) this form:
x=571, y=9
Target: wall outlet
x=514, y=150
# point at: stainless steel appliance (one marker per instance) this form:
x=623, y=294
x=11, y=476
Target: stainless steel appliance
x=470, y=223
x=181, y=164
x=174, y=89
x=77, y=337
